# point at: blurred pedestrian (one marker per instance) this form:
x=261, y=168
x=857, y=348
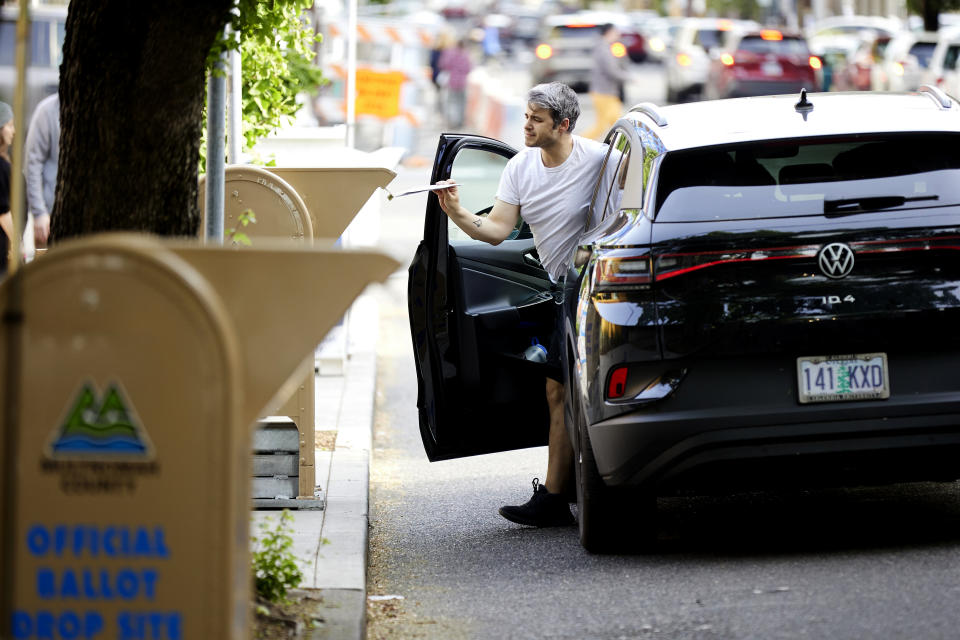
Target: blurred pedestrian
x=491, y=42
x=6, y=219
x=443, y=41
x=607, y=81
x=455, y=63
x=41, y=151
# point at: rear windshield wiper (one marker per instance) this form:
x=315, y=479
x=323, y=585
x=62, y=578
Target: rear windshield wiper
x=847, y=206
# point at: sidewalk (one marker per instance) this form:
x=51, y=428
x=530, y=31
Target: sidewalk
x=335, y=572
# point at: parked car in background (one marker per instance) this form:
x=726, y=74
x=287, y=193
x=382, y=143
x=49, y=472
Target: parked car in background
x=903, y=62
x=943, y=60
x=521, y=25
x=47, y=30
x=658, y=36
x=836, y=54
x=760, y=63
x=633, y=40
x=857, y=75
x=769, y=298
x=564, y=51
x=688, y=63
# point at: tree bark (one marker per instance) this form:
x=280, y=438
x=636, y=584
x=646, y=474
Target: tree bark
x=132, y=87
x=931, y=15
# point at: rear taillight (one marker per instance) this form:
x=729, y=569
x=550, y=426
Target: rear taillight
x=617, y=272
x=670, y=265
x=771, y=34
x=815, y=62
x=544, y=51
x=618, y=383
x=675, y=264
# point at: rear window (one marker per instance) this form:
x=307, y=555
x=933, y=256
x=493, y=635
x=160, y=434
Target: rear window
x=578, y=31
x=923, y=51
x=833, y=176
x=785, y=47
x=709, y=38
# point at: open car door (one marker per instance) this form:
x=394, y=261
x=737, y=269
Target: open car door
x=474, y=308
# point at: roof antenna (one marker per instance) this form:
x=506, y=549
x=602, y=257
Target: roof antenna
x=804, y=106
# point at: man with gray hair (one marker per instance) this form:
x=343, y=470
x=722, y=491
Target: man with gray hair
x=549, y=183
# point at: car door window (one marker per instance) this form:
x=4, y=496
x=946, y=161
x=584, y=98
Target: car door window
x=601, y=191
x=611, y=181
x=617, y=178
x=478, y=174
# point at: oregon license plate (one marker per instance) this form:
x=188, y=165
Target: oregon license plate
x=861, y=376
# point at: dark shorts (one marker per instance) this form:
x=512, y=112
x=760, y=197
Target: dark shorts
x=554, y=368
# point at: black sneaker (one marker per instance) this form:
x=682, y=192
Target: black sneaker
x=544, y=509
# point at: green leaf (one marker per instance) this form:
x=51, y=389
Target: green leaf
x=275, y=40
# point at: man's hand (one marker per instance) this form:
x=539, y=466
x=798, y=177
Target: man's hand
x=449, y=198
x=41, y=229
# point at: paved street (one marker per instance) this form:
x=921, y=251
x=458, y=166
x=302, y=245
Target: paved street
x=868, y=563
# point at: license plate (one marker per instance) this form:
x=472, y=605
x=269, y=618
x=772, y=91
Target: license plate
x=861, y=376
x=771, y=69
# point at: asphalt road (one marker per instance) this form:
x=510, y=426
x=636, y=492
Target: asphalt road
x=877, y=563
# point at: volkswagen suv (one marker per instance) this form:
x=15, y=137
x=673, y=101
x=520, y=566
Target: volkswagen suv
x=770, y=299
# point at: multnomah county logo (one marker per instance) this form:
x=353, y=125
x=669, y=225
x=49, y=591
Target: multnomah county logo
x=100, y=427
x=835, y=260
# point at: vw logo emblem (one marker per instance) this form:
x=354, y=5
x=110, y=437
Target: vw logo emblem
x=835, y=260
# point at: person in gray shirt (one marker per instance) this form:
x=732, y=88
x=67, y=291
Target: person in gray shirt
x=607, y=80
x=42, y=151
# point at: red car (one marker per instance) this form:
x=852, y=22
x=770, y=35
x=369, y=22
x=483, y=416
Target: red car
x=760, y=63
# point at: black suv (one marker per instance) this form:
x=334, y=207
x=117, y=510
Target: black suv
x=771, y=299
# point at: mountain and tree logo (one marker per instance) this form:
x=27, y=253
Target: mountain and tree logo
x=101, y=425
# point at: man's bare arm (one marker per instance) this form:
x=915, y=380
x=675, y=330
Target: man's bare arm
x=493, y=228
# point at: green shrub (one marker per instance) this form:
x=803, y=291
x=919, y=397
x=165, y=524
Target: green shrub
x=275, y=569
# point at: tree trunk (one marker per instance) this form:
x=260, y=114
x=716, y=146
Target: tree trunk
x=132, y=87
x=931, y=15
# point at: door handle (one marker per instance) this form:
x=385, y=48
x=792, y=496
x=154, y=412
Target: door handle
x=531, y=258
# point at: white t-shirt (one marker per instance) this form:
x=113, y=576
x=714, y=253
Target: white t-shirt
x=554, y=200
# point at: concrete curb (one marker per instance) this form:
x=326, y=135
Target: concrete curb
x=341, y=566
x=331, y=544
